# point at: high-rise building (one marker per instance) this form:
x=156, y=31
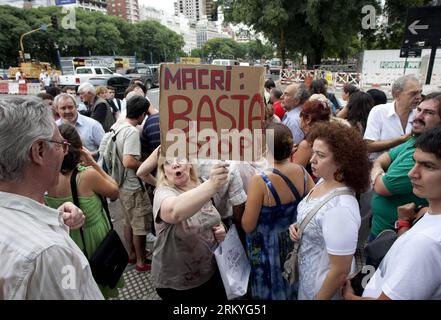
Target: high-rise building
x=193, y=10
x=89, y=5
x=126, y=9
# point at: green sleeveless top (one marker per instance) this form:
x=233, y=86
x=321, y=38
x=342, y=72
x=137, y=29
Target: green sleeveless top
x=95, y=227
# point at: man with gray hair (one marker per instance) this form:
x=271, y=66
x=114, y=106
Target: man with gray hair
x=293, y=98
x=390, y=124
x=90, y=130
x=97, y=108
x=39, y=259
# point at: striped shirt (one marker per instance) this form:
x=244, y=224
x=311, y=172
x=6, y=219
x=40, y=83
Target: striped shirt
x=38, y=259
x=150, y=136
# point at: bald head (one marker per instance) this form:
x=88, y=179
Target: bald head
x=294, y=96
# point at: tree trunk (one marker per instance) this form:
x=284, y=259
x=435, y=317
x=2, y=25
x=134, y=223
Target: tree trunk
x=282, y=47
x=315, y=57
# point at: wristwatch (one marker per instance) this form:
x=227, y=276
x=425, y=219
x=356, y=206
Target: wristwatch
x=402, y=224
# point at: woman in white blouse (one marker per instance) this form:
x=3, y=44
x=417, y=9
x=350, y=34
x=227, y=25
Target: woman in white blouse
x=326, y=254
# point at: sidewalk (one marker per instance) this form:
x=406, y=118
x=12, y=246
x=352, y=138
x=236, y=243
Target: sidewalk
x=138, y=286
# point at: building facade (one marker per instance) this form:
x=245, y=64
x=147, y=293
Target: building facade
x=126, y=9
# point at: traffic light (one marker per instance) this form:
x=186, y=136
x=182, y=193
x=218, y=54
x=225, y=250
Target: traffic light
x=54, y=22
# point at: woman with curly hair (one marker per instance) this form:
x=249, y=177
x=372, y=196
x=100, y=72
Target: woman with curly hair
x=329, y=240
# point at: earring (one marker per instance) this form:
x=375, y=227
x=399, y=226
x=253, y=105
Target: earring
x=338, y=175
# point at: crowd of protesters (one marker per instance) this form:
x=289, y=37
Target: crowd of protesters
x=324, y=156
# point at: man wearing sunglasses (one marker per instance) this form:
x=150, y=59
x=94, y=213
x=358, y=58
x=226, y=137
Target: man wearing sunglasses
x=39, y=259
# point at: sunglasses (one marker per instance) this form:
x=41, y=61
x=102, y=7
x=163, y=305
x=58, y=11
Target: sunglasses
x=180, y=161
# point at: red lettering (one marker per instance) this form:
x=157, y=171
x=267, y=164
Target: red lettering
x=224, y=113
x=217, y=78
x=256, y=100
x=191, y=80
x=170, y=79
x=212, y=118
x=201, y=74
x=242, y=99
x=174, y=116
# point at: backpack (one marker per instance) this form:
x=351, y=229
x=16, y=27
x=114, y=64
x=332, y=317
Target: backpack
x=112, y=162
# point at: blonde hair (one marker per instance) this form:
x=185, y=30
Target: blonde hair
x=101, y=89
x=161, y=178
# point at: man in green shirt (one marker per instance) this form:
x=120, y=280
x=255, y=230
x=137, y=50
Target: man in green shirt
x=391, y=185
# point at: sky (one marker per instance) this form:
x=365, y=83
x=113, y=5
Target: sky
x=166, y=5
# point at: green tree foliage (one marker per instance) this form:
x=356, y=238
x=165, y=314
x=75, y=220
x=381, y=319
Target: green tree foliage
x=316, y=28
x=222, y=48
x=95, y=33
x=390, y=33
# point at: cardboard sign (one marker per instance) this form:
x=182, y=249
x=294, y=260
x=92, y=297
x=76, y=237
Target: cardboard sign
x=211, y=112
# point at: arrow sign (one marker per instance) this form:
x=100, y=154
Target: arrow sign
x=423, y=24
x=414, y=26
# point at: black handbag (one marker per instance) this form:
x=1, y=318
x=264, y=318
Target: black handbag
x=377, y=249
x=110, y=258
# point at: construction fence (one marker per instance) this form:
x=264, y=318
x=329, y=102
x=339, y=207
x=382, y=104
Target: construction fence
x=19, y=87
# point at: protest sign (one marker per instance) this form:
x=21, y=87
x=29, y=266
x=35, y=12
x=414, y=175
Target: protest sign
x=211, y=112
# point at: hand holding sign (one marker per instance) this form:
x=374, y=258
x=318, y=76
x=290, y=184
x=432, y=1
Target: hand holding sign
x=219, y=175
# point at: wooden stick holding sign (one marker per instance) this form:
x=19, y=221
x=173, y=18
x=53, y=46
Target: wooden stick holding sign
x=212, y=112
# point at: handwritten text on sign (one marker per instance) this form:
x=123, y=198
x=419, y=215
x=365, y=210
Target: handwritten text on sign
x=211, y=112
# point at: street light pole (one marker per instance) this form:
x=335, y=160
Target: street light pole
x=43, y=27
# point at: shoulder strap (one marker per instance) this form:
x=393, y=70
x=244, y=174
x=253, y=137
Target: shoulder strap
x=117, y=155
x=74, y=191
x=305, y=181
x=271, y=188
x=313, y=212
x=289, y=183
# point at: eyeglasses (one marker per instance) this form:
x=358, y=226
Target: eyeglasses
x=64, y=144
x=180, y=161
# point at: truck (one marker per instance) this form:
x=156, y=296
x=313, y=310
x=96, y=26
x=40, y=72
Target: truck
x=148, y=74
x=31, y=70
x=380, y=68
x=83, y=74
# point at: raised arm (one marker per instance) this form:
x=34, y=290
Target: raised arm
x=182, y=207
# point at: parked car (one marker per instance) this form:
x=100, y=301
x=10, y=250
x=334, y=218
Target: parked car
x=148, y=74
x=225, y=62
x=83, y=74
x=120, y=83
x=275, y=66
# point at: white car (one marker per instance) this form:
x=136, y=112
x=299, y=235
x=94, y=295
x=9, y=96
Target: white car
x=83, y=74
x=225, y=62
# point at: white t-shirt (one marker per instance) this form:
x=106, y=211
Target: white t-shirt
x=333, y=230
x=383, y=123
x=411, y=268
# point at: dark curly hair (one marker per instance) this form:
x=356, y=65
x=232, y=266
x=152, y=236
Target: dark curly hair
x=72, y=158
x=280, y=144
x=349, y=151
